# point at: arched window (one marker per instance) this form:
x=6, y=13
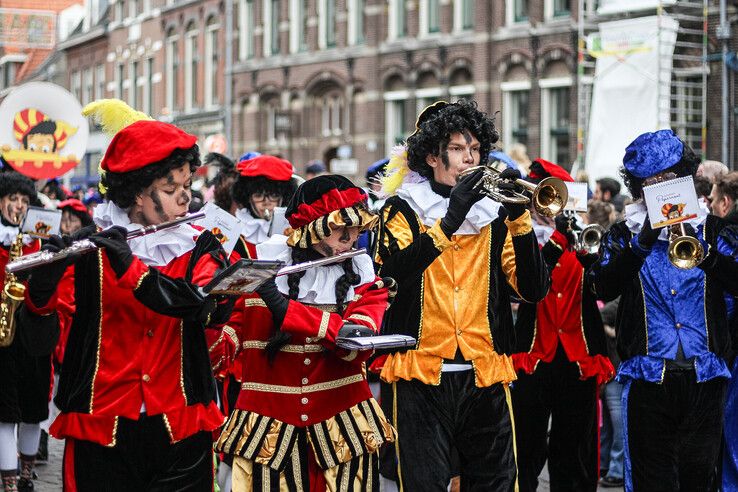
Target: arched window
x=556, y=124
x=395, y=95
x=515, y=103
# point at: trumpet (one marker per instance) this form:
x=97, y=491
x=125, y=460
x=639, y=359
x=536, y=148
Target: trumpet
x=685, y=251
x=29, y=262
x=589, y=238
x=549, y=196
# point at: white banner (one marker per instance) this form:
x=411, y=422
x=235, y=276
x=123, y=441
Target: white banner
x=606, y=7
x=626, y=97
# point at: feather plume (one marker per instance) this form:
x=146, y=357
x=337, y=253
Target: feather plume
x=113, y=115
x=396, y=170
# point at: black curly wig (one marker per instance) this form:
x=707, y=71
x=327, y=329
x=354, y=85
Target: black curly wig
x=687, y=166
x=123, y=188
x=434, y=132
x=13, y=182
x=244, y=187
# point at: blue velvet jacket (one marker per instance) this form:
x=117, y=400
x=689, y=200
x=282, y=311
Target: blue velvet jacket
x=662, y=306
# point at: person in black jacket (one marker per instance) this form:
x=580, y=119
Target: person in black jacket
x=672, y=328
x=457, y=257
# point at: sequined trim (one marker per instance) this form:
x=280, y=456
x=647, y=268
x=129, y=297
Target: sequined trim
x=99, y=329
x=367, y=319
x=169, y=428
x=323, y=325
x=181, y=361
x=114, y=441
x=351, y=356
x=291, y=348
x=141, y=279
x=309, y=388
x=253, y=301
x=440, y=241
x=231, y=334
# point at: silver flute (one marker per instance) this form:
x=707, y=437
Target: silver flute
x=28, y=262
x=328, y=260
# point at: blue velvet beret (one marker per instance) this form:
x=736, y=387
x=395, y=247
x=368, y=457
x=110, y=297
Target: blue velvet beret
x=652, y=152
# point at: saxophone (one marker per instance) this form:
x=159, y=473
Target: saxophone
x=11, y=296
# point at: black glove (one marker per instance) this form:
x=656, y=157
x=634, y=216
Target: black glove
x=116, y=247
x=42, y=282
x=566, y=225
x=508, y=177
x=463, y=196
x=275, y=301
x=648, y=236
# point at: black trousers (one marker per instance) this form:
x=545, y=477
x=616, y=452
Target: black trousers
x=143, y=459
x=433, y=421
x=25, y=385
x=555, y=391
x=673, y=432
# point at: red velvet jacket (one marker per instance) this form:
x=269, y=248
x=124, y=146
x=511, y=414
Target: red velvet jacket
x=567, y=315
x=133, y=342
x=310, y=380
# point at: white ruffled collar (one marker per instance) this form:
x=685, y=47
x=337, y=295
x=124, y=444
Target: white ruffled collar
x=156, y=249
x=317, y=286
x=543, y=232
x=9, y=233
x=254, y=230
x=430, y=206
x=635, y=216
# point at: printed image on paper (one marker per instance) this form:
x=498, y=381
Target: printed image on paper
x=671, y=202
x=42, y=222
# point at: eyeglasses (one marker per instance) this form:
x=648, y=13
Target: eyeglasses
x=261, y=196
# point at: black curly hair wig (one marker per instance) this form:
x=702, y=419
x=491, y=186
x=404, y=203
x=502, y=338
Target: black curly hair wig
x=244, y=187
x=222, y=183
x=434, y=132
x=687, y=166
x=123, y=188
x=13, y=182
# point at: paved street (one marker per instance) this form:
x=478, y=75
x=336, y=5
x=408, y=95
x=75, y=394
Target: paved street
x=49, y=476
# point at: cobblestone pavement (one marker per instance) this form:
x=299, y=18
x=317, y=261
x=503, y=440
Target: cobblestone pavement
x=50, y=475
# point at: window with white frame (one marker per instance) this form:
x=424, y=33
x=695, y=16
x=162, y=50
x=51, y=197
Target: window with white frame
x=555, y=120
x=686, y=106
x=554, y=9
x=119, y=80
x=245, y=29
x=148, y=98
x=396, y=19
x=118, y=11
x=76, y=85
x=331, y=115
x=515, y=103
x=271, y=109
x=463, y=15
x=304, y=24
x=516, y=11
x=211, y=63
x=429, y=16
x=87, y=86
x=191, y=67
x=356, y=21
x=172, y=70
x=297, y=33
x=100, y=81
x=133, y=100
x=326, y=23
x=394, y=118
x=133, y=8
x=427, y=96
x=271, y=27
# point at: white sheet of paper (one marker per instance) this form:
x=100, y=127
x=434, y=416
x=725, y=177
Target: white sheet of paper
x=223, y=225
x=577, y=196
x=42, y=222
x=671, y=202
x=279, y=222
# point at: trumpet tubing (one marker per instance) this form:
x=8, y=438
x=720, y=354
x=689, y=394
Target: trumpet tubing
x=685, y=252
